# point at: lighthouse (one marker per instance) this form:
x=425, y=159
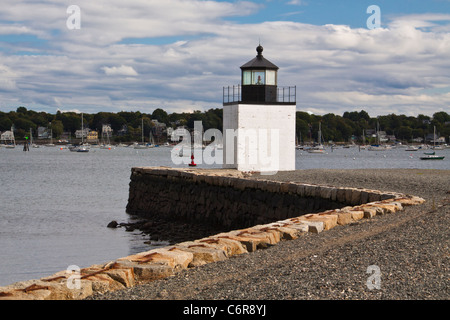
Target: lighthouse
x=259, y=120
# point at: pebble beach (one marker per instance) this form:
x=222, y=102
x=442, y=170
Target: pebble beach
x=410, y=250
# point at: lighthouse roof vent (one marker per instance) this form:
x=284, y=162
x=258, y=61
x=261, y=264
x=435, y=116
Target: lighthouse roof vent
x=259, y=62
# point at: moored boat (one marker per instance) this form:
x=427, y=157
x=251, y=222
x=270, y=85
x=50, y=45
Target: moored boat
x=432, y=157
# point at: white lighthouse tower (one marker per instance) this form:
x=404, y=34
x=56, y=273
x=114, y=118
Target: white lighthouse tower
x=259, y=120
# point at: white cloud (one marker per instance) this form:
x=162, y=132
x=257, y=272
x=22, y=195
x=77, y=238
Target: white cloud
x=296, y=2
x=120, y=71
x=335, y=68
x=7, y=79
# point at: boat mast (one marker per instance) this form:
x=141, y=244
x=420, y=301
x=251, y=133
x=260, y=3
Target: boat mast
x=82, y=129
x=142, y=130
x=319, y=138
x=434, y=138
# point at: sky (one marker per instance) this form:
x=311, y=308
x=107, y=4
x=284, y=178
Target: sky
x=139, y=55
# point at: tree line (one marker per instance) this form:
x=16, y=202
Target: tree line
x=348, y=127
x=351, y=126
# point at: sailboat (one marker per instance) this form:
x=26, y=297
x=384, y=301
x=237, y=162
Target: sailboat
x=432, y=156
x=106, y=144
x=51, y=144
x=33, y=145
x=319, y=148
x=378, y=146
x=298, y=146
x=363, y=145
x=82, y=147
x=9, y=135
x=152, y=141
x=142, y=145
x=411, y=148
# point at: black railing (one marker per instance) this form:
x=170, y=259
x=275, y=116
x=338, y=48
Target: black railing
x=232, y=94
x=287, y=94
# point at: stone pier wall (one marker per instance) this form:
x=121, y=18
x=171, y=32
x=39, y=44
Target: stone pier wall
x=152, y=190
x=229, y=198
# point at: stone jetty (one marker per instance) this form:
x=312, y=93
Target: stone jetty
x=348, y=205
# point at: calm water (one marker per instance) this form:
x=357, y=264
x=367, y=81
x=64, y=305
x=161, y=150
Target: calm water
x=55, y=204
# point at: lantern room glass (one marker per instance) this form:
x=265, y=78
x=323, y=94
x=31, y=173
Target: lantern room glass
x=247, y=78
x=259, y=77
x=271, y=77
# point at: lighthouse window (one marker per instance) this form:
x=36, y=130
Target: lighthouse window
x=247, y=78
x=259, y=77
x=253, y=77
x=271, y=77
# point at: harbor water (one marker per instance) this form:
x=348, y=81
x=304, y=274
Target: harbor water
x=55, y=204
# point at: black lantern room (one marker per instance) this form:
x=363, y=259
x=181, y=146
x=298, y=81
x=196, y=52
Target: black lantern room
x=259, y=79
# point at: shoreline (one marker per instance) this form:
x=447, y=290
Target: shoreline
x=407, y=181
x=410, y=247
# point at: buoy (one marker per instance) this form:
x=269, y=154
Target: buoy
x=192, y=164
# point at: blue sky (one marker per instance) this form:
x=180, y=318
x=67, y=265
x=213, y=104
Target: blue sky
x=178, y=54
x=347, y=12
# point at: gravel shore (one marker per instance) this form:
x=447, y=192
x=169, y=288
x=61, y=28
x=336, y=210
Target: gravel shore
x=409, y=248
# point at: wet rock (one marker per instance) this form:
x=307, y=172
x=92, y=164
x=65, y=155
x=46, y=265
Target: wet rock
x=113, y=224
x=147, y=226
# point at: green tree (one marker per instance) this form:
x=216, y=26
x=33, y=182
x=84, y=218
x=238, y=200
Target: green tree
x=160, y=115
x=71, y=121
x=57, y=128
x=24, y=124
x=21, y=110
x=99, y=120
x=132, y=118
x=441, y=117
x=302, y=130
x=117, y=122
x=195, y=116
x=404, y=133
x=418, y=133
x=344, y=129
x=5, y=122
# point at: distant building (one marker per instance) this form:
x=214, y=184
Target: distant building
x=65, y=135
x=123, y=131
x=431, y=138
x=391, y=138
x=158, y=128
x=82, y=133
x=43, y=133
x=106, y=129
x=92, y=136
x=7, y=136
